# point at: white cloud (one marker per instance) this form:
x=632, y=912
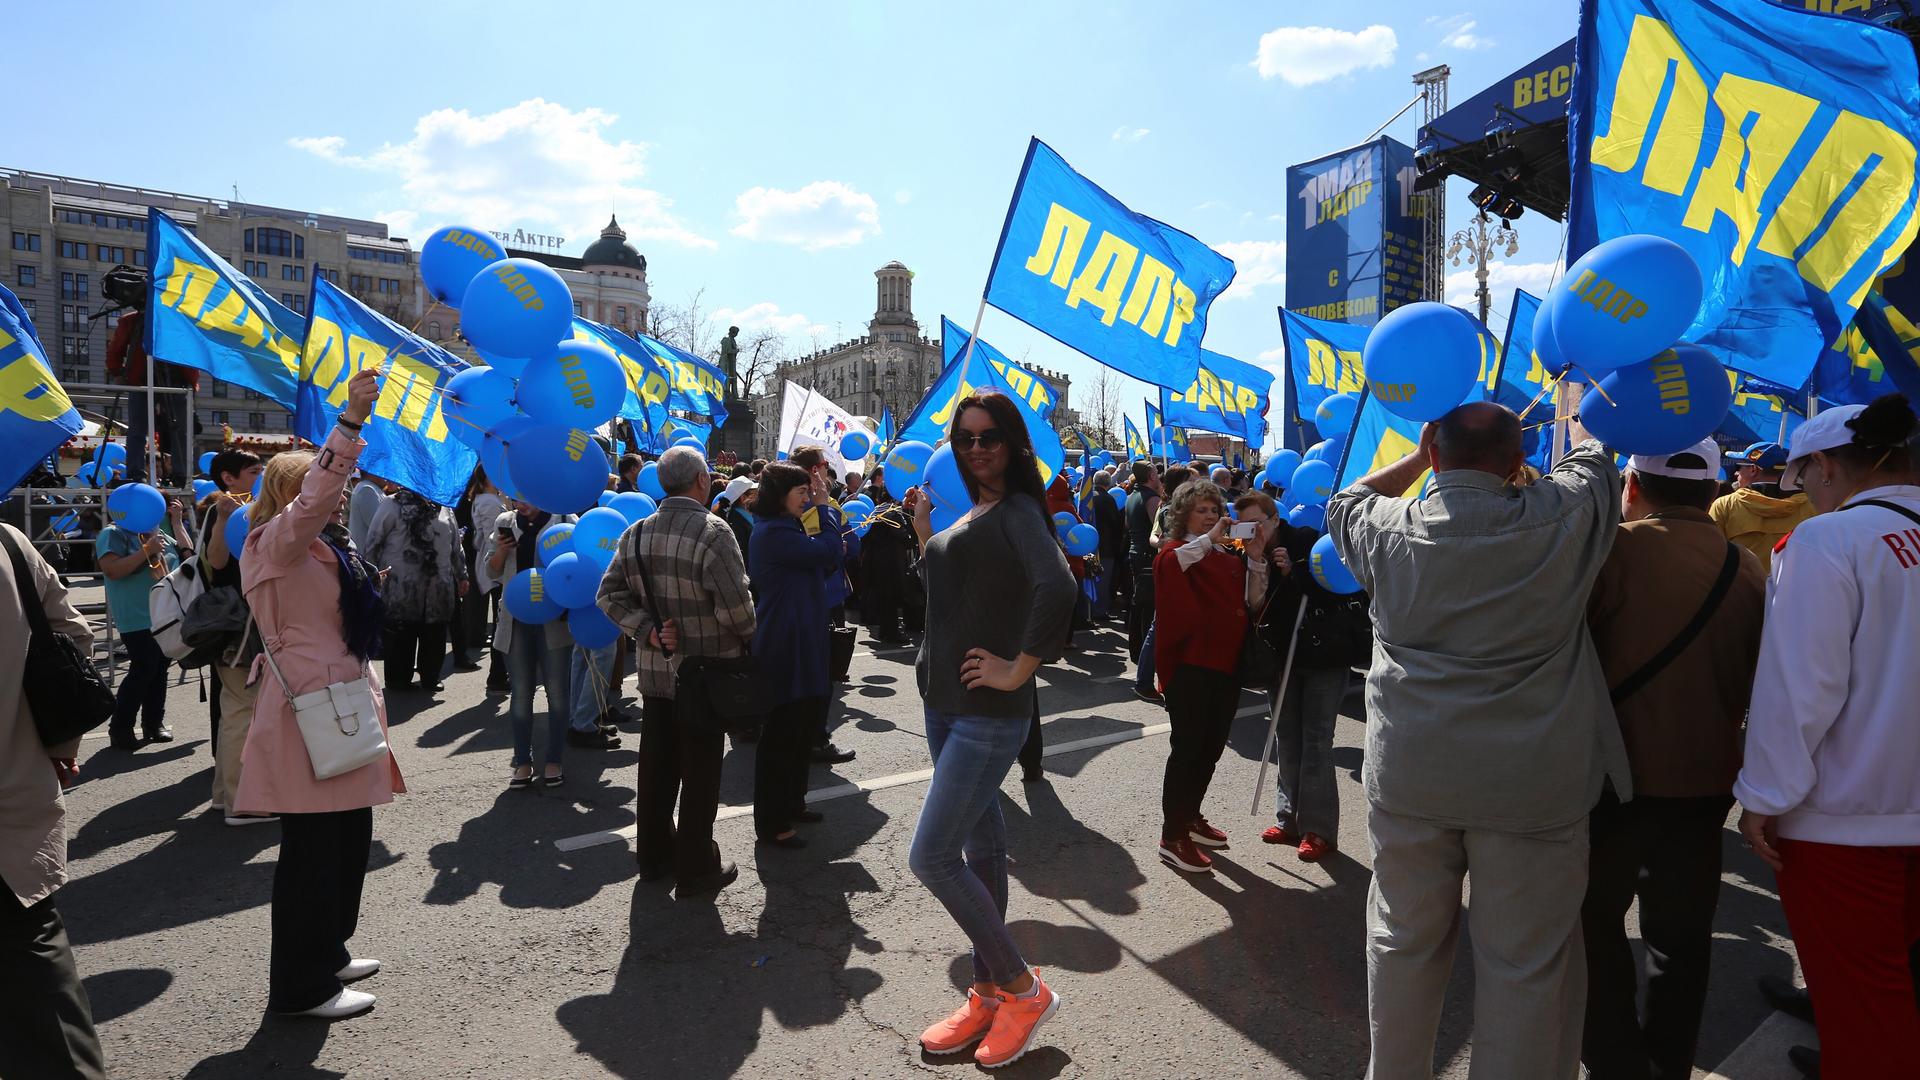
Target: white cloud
x=767, y=314
x=1274, y=356
x=1457, y=32
x=824, y=214
x=1257, y=264
x=1210, y=204
x=1304, y=55
x=1130, y=134
x=538, y=165
x=1502, y=279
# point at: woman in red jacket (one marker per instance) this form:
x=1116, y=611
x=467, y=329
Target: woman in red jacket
x=1201, y=600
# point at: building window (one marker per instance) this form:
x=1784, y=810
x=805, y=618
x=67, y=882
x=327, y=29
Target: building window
x=219, y=416
x=70, y=249
x=72, y=318
x=139, y=256
x=73, y=286
x=330, y=275
x=219, y=388
x=579, y=308
x=73, y=375
x=26, y=241
x=26, y=276
x=433, y=330
x=620, y=315
x=255, y=421
x=390, y=286
x=293, y=272
x=278, y=242
x=299, y=304
x=249, y=241
x=110, y=254
x=357, y=283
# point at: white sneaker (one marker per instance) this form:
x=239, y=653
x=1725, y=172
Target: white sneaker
x=251, y=819
x=343, y=1004
x=357, y=969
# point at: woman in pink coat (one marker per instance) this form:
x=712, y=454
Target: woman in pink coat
x=293, y=582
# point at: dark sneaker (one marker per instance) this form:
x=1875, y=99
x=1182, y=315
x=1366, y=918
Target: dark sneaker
x=597, y=739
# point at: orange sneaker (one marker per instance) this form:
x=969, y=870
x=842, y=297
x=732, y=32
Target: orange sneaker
x=1314, y=847
x=968, y=1025
x=1014, y=1022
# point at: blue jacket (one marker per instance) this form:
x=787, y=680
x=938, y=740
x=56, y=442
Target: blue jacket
x=790, y=572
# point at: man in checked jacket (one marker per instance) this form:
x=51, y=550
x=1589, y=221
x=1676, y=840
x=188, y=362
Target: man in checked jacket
x=693, y=563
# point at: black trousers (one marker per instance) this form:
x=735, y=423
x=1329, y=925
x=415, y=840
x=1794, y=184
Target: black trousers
x=1200, y=706
x=497, y=660
x=316, y=904
x=1032, y=750
x=46, y=1023
x=411, y=647
x=1118, y=583
x=1140, y=615
x=143, y=689
x=1666, y=851
x=780, y=764
x=677, y=765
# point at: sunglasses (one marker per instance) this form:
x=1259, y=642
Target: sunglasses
x=990, y=439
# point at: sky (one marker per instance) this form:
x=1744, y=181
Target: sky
x=773, y=155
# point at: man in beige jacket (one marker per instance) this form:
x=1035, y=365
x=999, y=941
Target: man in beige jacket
x=46, y=1024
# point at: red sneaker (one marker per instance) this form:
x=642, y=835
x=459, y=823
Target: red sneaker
x=968, y=1025
x=1184, y=854
x=1278, y=835
x=1206, y=835
x=1015, y=1020
x=1314, y=847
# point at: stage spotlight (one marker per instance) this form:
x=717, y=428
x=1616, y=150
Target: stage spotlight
x=1483, y=197
x=1499, y=134
x=1507, y=207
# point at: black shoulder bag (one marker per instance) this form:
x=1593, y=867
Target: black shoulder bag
x=1637, y=681
x=68, y=697
x=714, y=694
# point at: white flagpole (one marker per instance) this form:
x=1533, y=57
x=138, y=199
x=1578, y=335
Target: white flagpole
x=966, y=354
x=1273, y=715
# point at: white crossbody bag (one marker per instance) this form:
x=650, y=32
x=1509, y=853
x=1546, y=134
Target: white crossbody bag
x=340, y=723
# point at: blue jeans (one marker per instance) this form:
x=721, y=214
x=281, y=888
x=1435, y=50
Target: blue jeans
x=1143, y=677
x=529, y=662
x=961, y=816
x=1309, y=800
x=591, y=670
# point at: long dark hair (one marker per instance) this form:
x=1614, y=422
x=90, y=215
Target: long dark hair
x=776, y=481
x=1023, y=470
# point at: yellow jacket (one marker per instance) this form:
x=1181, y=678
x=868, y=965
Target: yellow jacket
x=1757, y=522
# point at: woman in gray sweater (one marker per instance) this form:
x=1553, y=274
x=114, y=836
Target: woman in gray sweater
x=975, y=672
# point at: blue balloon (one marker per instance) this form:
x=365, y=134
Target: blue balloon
x=855, y=445
x=1422, y=360
x=1259, y=480
x=944, y=482
x=907, y=465
x=855, y=514
x=554, y=540
x=493, y=452
x=576, y=383
x=516, y=307
x=1082, y=540
x=1280, y=467
x=113, y=453
x=1120, y=496
x=1318, y=451
x=689, y=440
x=559, y=469
x=1313, y=481
x=863, y=497
x=572, y=581
x=1624, y=301
x=259, y=479
x=527, y=600
x=591, y=628
x=606, y=498
x=1064, y=520
x=596, y=536
x=1659, y=406
x=452, y=256
x=66, y=523
x=1308, y=517
x=1334, y=415
x=206, y=461
x=1327, y=569
x=203, y=488
x=88, y=475
x=635, y=506
x=649, y=481
x=943, y=518
x=510, y=366
x=476, y=401
x=239, y=523
x=136, y=507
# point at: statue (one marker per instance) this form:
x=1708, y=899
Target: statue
x=729, y=361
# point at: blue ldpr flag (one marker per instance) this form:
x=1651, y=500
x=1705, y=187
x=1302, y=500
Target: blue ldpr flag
x=1136, y=443
x=36, y=416
x=986, y=369
x=204, y=314
x=407, y=437
x=885, y=434
x=680, y=427
x=698, y=385
x=649, y=380
x=1776, y=145
x=1520, y=381
x=1229, y=397
x=1756, y=416
x=1377, y=439
x=1323, y=359
x=1077, y=264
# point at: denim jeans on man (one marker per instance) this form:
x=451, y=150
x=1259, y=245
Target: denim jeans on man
x=961, y=816
x=531, y=663
x=590, y=674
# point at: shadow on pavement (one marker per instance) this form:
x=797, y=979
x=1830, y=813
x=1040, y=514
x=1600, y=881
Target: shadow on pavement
x=512, y=842
x=114, y=994
x=279, y=1047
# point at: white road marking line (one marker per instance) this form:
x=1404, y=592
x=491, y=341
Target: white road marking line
x=918, y=776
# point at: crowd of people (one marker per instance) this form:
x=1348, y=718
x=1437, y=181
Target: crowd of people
x=1570, y=680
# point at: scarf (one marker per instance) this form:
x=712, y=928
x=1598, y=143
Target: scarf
x=362, y=611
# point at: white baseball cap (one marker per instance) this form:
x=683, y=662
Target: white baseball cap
x=735, y=488
x=1662, y=464
x=1826, y=430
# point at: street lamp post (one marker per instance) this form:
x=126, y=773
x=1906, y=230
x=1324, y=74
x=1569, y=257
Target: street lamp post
x=1477, y=245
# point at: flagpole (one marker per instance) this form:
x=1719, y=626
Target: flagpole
x=966, y=354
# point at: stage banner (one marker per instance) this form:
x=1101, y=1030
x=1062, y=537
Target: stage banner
x=1230, y=397
x=36, y=416
x=986, y=369
x=1354, y=247
x=1077, y=264
x=202, y=313
x=650, y=380
x=1136, y=443
x=1776, y=146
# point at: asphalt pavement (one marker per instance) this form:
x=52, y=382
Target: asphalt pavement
x=518, y=941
